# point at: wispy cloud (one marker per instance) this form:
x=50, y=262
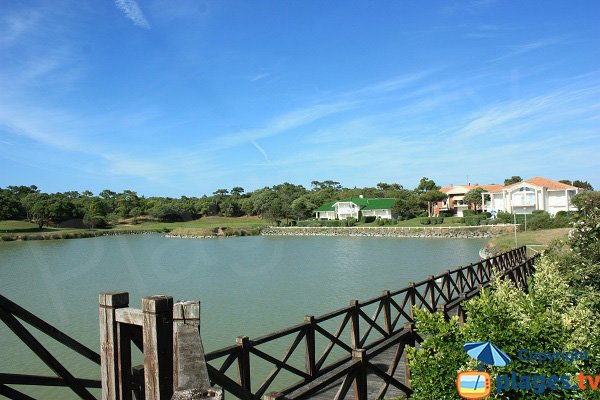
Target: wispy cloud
x=133, y=11
x=528, y=48
x=260, y=76
x=291, y=120
x=261, y=150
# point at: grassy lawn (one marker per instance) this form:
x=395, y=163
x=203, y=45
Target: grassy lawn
x=24, y=228
x=541, y=237
x=206, y=222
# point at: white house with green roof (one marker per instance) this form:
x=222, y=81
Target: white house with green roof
x=357, y=207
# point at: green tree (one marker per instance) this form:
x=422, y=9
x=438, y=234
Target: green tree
x=513, y=179
x=10, y=206
x=40, y=210
x=431, y=197
x=426, y=185
x=583, y=185
x=474, y=197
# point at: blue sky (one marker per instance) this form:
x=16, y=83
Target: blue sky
x=184, y=97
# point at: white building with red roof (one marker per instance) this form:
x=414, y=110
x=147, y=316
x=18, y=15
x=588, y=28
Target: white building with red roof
x=536, y=193
x=524, y=197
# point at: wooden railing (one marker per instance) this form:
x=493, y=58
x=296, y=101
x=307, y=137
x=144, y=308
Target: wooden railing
x=363, y=344
x=12, y=314
x=382, y=326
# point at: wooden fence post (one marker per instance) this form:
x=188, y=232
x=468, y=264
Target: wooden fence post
x=158, y=345
x=109, y=343
x=411, y=299
x=387, y=312
x=360, y=380
x=355, y=324
x=432, y=295
x=309, y=341
x=244, y=363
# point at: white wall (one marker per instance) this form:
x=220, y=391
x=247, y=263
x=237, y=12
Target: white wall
x=383, y=214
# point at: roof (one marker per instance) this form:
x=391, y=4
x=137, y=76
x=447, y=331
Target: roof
x=326, y=207
x=540, y=181
x=462, y=189
x=493, y=188
x=379, y=204
x=363, y=203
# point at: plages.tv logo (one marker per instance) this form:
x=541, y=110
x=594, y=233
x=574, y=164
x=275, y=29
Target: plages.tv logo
x=478, y=384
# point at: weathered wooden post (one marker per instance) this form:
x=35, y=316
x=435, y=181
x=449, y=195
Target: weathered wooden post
x=158, y=345
x=360, y=380
x=243, y=343
x=190, y=374
x=387, y=311
x=109, y=343
x=309, y=342
x=355, y=323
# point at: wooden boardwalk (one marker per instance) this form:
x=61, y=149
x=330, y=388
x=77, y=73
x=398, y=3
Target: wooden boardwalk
x=374, y=383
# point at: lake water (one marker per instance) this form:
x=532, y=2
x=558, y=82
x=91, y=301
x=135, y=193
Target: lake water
x=247, y=285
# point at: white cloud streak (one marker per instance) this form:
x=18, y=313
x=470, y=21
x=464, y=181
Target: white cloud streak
x=133, y=11
x=527, y=48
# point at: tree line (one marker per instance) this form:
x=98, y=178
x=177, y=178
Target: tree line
x=284, y=201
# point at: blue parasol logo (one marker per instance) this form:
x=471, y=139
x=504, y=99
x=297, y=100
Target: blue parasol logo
x=487, y=353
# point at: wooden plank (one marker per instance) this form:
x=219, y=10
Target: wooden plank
x=48, y=329
x=244, y=364
x=309, y=346
x=131, y=316
x=360, y=379
x=124, y=360
x=158, y=347
x=37, y=380
x=109, y=342
x=39, y=350
x=13, y=394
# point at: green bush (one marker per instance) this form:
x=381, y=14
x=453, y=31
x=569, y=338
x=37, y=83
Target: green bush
x=436, y=220
x=505, y=217
x=446, y=213
x=545, y=319
x=468, y=213
x=367, y=219
x=539, y=220
x=472, y=220
x=425, y=221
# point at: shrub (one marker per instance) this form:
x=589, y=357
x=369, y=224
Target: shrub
x=425, y=221
x=447, y=213
x=472, y=220
x=367, y=219
x=505, y=217
x=563, y=219
x=468, y=213
x=539, y=220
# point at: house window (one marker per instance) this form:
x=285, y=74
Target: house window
x=525, y=196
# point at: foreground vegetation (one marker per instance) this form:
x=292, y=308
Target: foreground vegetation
x=560, y=312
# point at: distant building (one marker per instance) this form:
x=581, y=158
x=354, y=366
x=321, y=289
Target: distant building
x=524, y=197
x=455, y=203
x=357, y=207
x=537, y=193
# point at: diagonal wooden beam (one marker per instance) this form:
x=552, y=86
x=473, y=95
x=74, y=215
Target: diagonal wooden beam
x=39, y=350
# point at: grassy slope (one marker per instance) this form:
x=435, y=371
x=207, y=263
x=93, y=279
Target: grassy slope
x=541, y=237
x=23, y=228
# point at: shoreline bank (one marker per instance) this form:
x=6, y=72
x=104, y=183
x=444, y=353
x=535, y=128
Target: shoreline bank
x=470, y=232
